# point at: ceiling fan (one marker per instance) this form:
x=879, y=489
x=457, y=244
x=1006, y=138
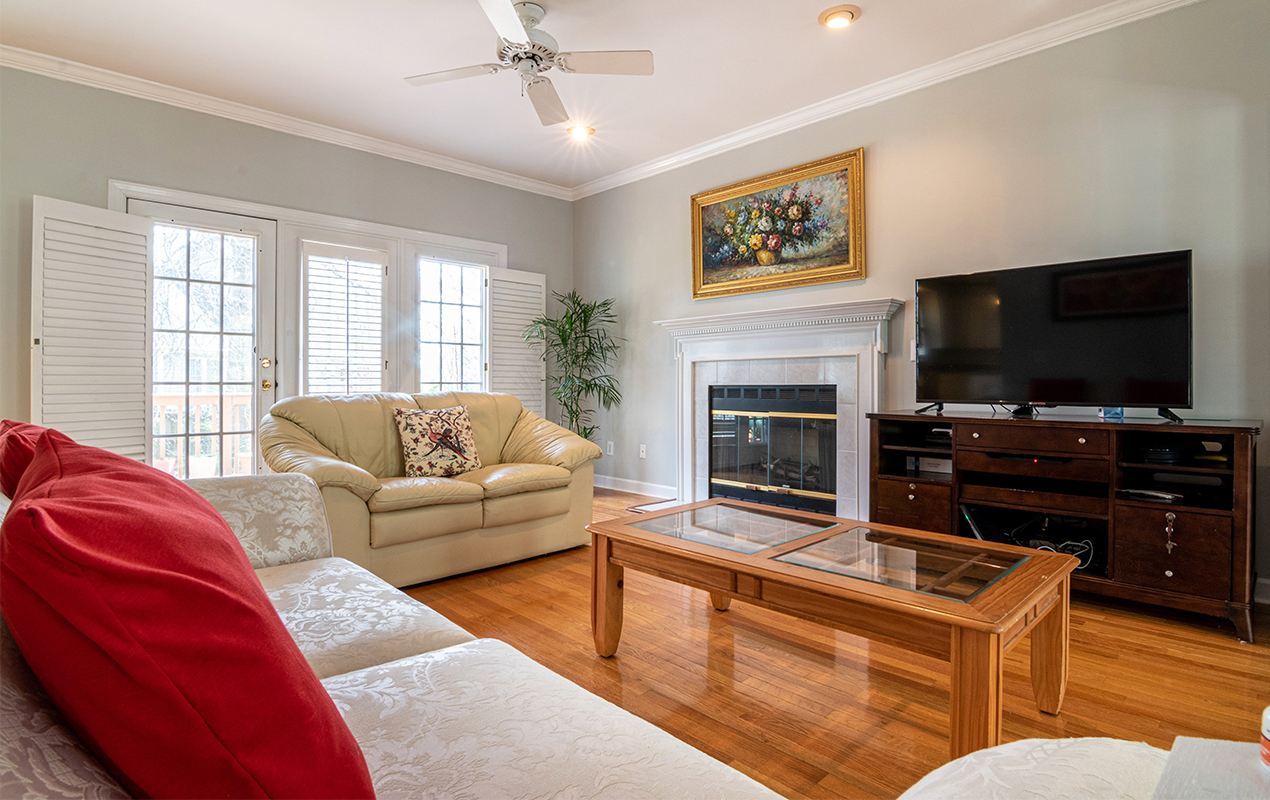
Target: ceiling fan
x=530, y=51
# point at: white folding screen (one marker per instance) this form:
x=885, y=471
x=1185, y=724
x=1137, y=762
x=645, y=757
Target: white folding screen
x=515, y=299
x=90, y=308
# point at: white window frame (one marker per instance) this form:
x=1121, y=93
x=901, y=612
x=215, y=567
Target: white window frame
x=326, y=249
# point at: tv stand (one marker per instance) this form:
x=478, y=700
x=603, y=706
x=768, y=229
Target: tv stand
x=1170, y=416
x=938, y=407
x=1162, y=513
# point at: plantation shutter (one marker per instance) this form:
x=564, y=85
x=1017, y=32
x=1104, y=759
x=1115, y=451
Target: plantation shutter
x=90, y=313
x=344, y=311
x=515, y=299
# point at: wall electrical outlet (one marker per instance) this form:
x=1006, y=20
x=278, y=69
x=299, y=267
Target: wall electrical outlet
x=609, y=448
x=643, y=451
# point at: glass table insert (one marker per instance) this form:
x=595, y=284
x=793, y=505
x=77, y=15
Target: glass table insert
x=739, y=529
x=957, y=572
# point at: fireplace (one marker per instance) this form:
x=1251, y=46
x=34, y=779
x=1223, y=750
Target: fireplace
x=775, y=445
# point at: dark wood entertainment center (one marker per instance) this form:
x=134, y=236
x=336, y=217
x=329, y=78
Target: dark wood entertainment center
x=1072, y=481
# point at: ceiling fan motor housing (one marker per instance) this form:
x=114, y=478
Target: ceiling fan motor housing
x=542, y=46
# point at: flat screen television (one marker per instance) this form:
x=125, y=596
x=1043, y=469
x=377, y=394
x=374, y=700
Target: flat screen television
x=1113, y=332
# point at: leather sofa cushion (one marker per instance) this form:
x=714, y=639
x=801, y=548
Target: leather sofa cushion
x=526, y=506
x=397, y=493
x=501, y=480
x=493, y=416
x=357, y=428
x=412, y=524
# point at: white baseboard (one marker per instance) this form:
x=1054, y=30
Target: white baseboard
x=634, y=487
x=1261, y=592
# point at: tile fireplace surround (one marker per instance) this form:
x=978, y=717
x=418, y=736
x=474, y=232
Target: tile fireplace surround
x=842, y=344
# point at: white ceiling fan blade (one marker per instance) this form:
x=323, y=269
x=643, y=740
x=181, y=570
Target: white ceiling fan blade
x=454, y=74
x=546, y=102
x=607, y=62
x=502, y=15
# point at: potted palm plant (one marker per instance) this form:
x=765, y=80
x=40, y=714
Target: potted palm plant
x=580, y=353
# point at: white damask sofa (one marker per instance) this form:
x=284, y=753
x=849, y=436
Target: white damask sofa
x=437, y=712
x=532, y=494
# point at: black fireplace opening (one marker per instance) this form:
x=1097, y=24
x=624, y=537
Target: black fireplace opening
x=775, y=445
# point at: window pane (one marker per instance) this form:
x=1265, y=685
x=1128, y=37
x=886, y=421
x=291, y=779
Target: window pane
x=471, y=363
x=451, y=324
x=204, y=256
x=169, y=252
x=169, y=305
x=237, y=358
x=429, y=281
x=240, y=260
x=236, y=399
x=204, y=357
x=204, y=306
x=429, y=322
x=429, y=363
x=168, y=401
x=238, y=310
x=169, y=455
x=236, y=454
x=471, y=324
x=451, y=363
x=451, y=284
x=204, y=409
x=169, y=357
x=473, y=285
x=204, y=456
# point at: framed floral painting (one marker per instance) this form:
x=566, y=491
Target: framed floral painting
x=795, y=227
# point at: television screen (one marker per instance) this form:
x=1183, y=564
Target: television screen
x=1111, y=332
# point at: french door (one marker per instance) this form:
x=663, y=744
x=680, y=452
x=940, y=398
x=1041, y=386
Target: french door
x=212, y=334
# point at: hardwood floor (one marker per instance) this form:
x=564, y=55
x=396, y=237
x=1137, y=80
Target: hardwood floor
x=813, y=712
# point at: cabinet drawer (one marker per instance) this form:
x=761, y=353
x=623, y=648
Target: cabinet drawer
x=1067, y=468
x=1040, y=440
x=1200, y=561
x=908, y=504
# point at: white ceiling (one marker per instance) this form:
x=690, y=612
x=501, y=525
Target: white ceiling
x=722, y=66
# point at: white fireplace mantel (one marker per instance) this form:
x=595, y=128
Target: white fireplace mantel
x=846, y=342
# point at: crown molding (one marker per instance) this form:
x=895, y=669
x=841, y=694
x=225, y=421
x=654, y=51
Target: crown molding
x=1055, y=33
x=73, y=72
x=768, y=319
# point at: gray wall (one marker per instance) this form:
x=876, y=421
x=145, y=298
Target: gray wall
x=1152, y=136
x=66, y=141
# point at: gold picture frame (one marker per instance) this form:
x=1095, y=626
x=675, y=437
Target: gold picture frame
x=799, y=226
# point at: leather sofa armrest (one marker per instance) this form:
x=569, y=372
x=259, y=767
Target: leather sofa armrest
x=289, y=448
x=278, y=519
x=534, y=440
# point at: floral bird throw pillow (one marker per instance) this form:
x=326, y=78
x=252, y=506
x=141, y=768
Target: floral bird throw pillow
x=438, y=443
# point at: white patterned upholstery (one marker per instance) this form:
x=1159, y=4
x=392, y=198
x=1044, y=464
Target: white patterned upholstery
x=279, y=519
x=1048, y=769
x=480, y=720
x=344, y=618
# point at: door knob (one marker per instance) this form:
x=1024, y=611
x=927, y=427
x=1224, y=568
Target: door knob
x=266, y=384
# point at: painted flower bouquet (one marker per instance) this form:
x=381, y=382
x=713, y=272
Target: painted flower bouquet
x=757, y=227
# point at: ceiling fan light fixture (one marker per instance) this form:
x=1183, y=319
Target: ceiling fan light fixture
x=581, y=132
x=839, y=16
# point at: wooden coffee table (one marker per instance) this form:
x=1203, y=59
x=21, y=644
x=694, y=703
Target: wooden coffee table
x=963, y=601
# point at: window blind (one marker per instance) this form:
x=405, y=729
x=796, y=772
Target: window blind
x=90, y=309
x=344, y=329
x=515, y=299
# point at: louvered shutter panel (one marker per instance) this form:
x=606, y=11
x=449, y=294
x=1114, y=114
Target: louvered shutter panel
x=516, y=299
x=90, y=313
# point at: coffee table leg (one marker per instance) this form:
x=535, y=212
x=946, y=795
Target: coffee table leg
x=720, y=601
x=1049, y=653
x=975, y=708
x=606, y=597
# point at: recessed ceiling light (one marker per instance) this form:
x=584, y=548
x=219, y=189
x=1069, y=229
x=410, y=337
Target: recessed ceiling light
x=581, y=132
x=839, y=16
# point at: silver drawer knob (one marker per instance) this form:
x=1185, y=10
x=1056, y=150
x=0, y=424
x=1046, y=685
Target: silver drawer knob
x=912, y=486
x=912, y=497
x=974, y=436
x=1168, y=573
x=1081, y=440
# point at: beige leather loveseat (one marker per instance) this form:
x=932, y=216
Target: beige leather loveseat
x=532, y=494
